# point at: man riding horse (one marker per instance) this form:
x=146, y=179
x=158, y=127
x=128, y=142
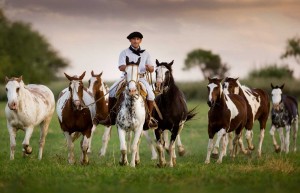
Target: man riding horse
x=134, y=52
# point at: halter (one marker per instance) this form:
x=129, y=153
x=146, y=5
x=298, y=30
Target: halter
x=165, y=88
x=80, y=99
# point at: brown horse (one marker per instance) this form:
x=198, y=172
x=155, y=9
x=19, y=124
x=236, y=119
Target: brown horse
x=258, y=108
x=75, y=115
x=227, y=113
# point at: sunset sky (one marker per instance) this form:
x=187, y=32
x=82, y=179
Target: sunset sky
x=247, y=34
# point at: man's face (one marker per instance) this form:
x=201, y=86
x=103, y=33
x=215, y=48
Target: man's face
x=135, y=42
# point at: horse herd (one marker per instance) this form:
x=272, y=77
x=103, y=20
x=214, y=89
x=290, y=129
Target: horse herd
x=233, y=107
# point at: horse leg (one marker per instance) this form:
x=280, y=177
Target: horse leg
x=129, y=140
x=135, y=143
x=70, y=147
x=272, y=133
x=150, y=143
x=27, y=149
x=209, y=150
x=217, y=143
x=282, y=141
x=137, y=157
x=181, y=150
x=166, y=140
x=224, y=142
x=230, y=142
x=249, y=138
x=44, y=131
x=295, y=132
x=122, y=138
x=287, y=138
x=160, y=147
x=105, y=139
x=90, y=141
x=12, y=135
x=84, y=147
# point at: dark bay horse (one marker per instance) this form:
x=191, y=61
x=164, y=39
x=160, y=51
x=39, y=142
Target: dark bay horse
x=258, y=108
x=284, y=114
x=227, y=113
x=75, y=117
x=173, y=108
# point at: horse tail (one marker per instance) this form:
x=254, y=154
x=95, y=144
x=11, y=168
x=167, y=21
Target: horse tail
x=191, y=114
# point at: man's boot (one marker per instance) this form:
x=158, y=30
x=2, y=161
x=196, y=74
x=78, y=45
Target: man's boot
x=150, y=122
x=111, y=118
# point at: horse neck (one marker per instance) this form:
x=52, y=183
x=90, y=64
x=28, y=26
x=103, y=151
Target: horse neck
x=172, y=88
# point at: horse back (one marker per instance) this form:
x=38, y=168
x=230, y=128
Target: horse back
x=291, y=105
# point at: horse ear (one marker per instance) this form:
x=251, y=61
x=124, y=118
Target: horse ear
x=92, y=73
x=127, y=60
x=209, y=79
x=157, y=62
x=281, y=87
x=101, y=74
x=81, y=77
x=272, y=86
x=6, y=79
x=139, y=60
x=236, y=78
x=68, y=77
x=171, y=63
x=20, y=78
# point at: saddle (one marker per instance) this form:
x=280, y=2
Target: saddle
x=122, y=85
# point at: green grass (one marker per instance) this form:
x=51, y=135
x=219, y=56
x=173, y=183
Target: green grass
x=271, y=173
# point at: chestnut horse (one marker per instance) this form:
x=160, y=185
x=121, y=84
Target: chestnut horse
x=75, y=117
x=284, y=114
x=27, y=106
x=227, y=113
x=258, y=108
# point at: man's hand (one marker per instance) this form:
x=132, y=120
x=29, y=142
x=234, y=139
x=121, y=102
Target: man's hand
x=149, y=68
x=122, y=68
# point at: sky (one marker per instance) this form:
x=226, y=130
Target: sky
x=246, y=34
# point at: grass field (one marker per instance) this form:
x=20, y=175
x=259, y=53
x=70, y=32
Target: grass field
x=270, y=173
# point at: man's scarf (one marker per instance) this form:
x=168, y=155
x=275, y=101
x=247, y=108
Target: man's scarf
x=137, y=52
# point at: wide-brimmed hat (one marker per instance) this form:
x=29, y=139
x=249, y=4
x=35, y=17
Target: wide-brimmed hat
x=135, y=34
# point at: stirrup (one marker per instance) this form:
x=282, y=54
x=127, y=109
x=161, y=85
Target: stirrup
x=152, y=122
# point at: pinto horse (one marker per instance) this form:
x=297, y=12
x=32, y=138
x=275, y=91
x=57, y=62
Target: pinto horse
x=227, y=113
x=27, y=106
x=173, y=108
x=76, y=109
x=258, y=108
x=284, y=114
x=100, y=90
x=131, y=115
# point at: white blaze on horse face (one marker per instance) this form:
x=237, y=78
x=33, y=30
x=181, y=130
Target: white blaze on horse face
x=211, y=87
x=132, y=78
x=12, y=89
x=75, y=87
x=160, y=74
x=225, y=89
x=276, y=96
x=92, y=82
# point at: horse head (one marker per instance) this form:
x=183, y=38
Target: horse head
x=215, y=91
x=163, y=75
x=13, y=89
x=76, y=90
x=276, y=96
x=231, y=85
x=132, y=76
x=95, y=83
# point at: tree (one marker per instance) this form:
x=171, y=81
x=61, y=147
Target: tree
x=292, y=49
x=26, y=52
x=272, y=71
x=209, y=63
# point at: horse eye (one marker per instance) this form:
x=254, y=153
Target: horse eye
x=89, y=82
x=6, y=89
x=18, y=89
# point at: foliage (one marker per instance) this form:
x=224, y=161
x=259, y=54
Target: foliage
x=272, y=71
x=280, y=172
x=24, y=51
x=292, y=49
x=209, y=63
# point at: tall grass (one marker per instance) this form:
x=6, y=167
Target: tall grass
x=270, y=173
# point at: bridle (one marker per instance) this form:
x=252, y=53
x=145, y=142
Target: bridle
x=163, y=88
x=72, y=86
x=134, y=78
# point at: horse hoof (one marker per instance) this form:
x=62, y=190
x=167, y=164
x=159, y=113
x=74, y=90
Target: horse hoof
x=181, y=153
x=251, y=148
x=161, y=165
x=278, y=150
x=215, y=155
x=27, y=149
x=137, y=162
x=123, y=163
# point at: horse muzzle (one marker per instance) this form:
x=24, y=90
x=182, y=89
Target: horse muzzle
x=12, y=106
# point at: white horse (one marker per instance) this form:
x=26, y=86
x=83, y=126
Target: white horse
x=100, y=92
x=131, y=116
x=27, y=106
